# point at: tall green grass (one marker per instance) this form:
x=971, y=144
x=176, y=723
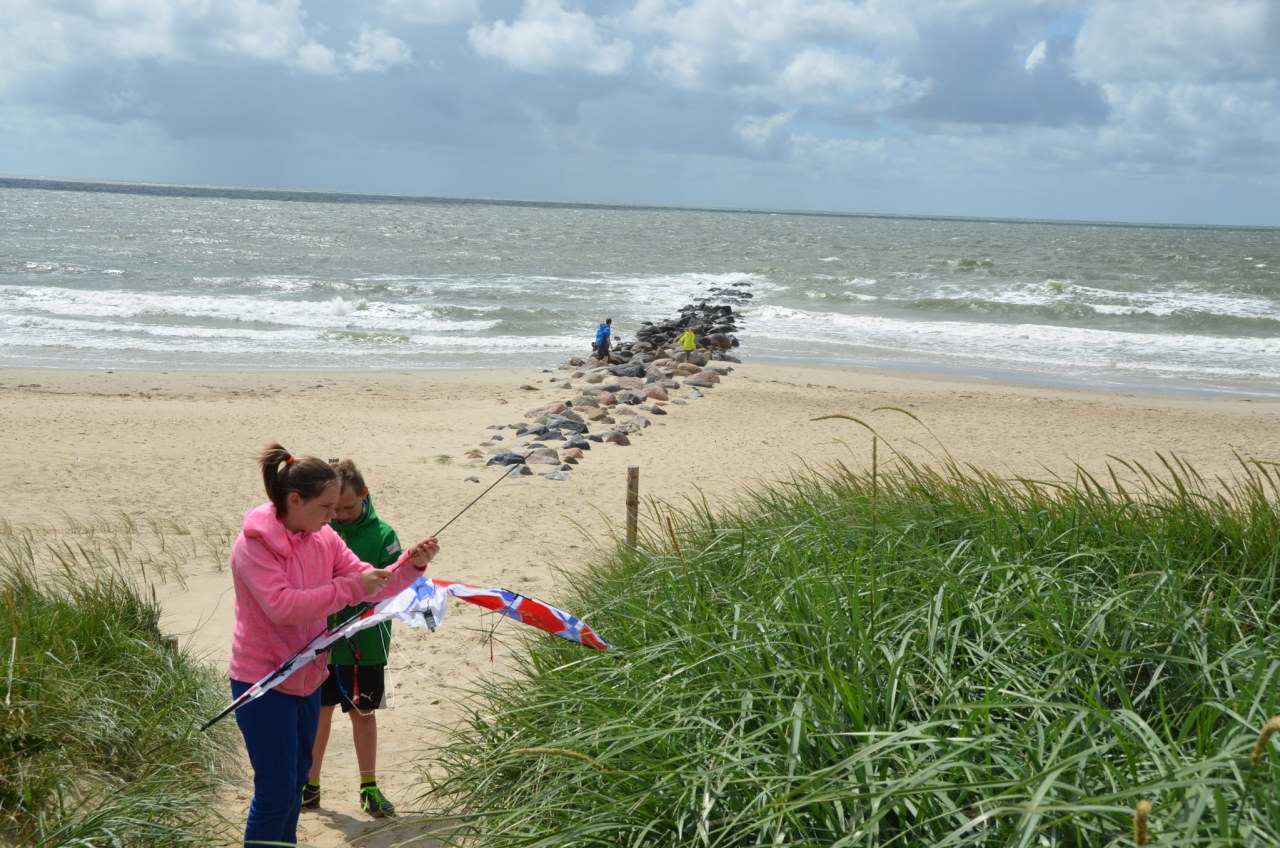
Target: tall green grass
x=98, y=713
x=906, y=656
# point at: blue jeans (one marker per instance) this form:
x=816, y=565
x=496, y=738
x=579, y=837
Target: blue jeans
x=278, y=732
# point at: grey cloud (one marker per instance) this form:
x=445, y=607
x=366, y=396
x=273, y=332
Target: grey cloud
x=979, y=78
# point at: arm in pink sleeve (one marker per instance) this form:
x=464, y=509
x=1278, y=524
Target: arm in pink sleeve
x=284, y=603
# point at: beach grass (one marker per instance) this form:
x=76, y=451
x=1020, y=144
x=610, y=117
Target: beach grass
x=905, y=655
x=98, y=710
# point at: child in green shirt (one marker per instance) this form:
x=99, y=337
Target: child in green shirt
x=357, y=666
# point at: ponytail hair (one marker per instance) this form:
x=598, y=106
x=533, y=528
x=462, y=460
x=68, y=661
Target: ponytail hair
x=349, y=477
x=282, y=473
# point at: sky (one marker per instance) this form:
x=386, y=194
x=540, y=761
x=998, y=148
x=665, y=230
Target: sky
x=1159, y=111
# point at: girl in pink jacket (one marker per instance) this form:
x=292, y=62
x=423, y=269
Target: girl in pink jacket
x=290, y=570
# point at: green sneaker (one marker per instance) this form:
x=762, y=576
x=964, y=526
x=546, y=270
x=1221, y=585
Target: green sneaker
x=310, y=796
x=373, y=802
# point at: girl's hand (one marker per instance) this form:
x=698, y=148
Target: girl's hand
x=374, y=579
x=424, y=552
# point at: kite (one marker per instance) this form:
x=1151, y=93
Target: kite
x=422, y=604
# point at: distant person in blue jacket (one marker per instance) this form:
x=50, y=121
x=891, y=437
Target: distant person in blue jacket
x=603, y=335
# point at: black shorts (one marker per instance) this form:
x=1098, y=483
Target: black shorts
x=361, y=687
x=602, y=351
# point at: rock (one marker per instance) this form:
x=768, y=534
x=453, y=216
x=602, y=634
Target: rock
x=472, y=479
x=557, y=475
x=569, y=413
x=631, y=398
x=474, y=453
x=567, y=420
x=617, y=438
x=655, y=391
x=700, y=383
x=572, y=453
x=654, y=409
x=631, y=369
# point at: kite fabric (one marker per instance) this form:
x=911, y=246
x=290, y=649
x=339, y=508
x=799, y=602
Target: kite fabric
x=423, y=604
x=528, y=611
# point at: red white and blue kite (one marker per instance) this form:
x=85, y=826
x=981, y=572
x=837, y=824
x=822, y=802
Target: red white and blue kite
x=422, y=604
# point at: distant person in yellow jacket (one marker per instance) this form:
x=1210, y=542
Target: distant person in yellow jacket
x=688, y=343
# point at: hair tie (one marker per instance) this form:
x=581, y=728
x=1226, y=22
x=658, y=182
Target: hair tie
x=289, y=461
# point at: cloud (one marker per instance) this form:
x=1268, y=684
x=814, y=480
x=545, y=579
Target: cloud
x=375, y=51
x=1179, y=41
x=764, y=134
x=546, y=39
x=791, y=102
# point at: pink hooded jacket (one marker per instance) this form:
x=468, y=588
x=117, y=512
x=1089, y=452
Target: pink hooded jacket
x=286, y=584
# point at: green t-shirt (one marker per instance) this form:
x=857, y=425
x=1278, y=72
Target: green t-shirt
x=373, y=541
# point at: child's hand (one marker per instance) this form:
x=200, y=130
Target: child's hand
x=374, y=579
x=424, y=552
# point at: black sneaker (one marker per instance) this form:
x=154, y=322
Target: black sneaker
x=310, y=796
x=373, y=802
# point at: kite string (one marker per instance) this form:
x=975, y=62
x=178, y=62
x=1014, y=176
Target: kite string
x=504, y=476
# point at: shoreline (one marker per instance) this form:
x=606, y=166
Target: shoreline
x=1176, y=386
x=180, y=446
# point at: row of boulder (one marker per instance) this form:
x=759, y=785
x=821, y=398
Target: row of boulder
x=715, y=324
x=613, y=403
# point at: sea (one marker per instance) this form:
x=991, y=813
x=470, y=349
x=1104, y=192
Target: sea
x=97, y=275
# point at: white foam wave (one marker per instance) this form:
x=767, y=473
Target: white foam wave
x=1021, y=345
x=186, y=311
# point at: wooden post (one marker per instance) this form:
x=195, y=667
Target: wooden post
x=633, y=502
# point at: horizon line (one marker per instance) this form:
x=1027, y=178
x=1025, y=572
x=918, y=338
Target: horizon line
x=267, y=193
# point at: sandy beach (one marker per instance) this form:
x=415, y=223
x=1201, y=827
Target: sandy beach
x=180, y=446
